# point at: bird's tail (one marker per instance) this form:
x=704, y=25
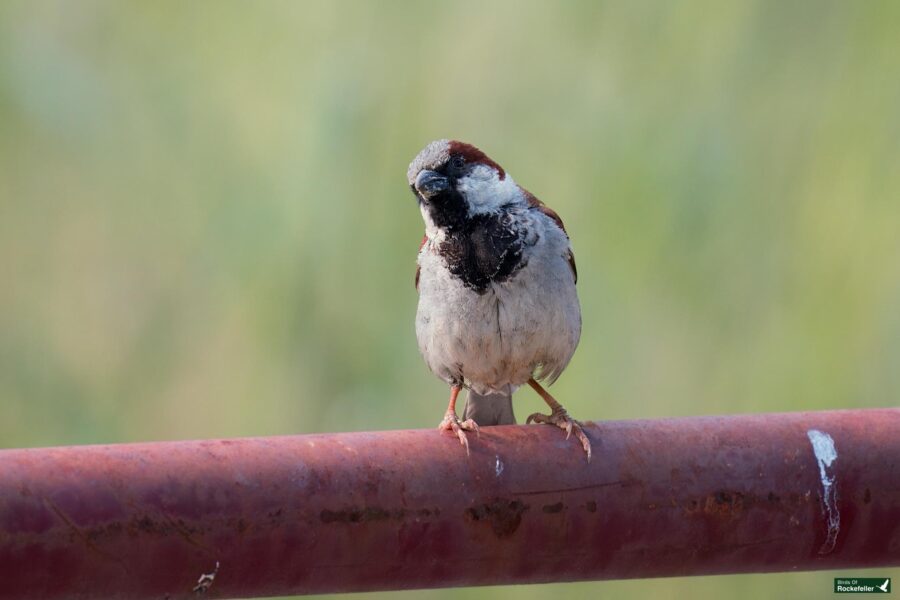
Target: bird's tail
x=489, y=409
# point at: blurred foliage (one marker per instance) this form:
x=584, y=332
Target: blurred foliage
x=205, y=229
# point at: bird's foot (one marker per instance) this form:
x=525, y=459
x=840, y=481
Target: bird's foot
x=560, y=417
x=452, y=423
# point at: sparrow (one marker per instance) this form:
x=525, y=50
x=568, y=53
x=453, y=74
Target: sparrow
x=496, y=281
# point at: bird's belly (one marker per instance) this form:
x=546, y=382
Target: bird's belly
x=497, y=338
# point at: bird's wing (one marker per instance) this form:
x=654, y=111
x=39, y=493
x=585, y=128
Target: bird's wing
x=533, y=202
x=419, y=268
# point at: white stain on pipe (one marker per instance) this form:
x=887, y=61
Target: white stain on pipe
x=826, y=455
x=498, y=466
x=206, y=580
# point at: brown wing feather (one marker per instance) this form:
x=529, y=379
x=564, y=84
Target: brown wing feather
x=533, y=202
x=571, y=259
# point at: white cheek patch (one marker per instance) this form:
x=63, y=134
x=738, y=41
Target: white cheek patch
x=485, y=191
x=433, y=232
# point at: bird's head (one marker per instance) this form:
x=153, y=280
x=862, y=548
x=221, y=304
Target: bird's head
x=454, y=181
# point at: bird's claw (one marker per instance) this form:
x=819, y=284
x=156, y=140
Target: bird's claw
x=561, y=419
x=452, y=423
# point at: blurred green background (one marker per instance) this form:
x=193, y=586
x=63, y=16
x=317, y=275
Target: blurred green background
x=205, y=228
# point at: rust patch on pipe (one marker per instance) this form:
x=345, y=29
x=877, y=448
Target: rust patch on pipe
x=551, y=509
x=724, y=504
x=504, y=516
x=373, y=513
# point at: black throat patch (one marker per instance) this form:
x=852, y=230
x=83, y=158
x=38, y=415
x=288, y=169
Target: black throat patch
x=484, y=249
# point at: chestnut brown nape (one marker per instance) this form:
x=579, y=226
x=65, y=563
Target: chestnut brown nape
x=474, y=155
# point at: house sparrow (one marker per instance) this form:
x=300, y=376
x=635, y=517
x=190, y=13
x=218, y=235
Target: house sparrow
x=496, y=281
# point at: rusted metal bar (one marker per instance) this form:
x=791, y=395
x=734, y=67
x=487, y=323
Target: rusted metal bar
x=409, y=509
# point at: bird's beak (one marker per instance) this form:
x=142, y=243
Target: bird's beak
x=431, y=183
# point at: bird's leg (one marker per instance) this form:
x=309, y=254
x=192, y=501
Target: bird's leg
x=558, y=416
x=452, y=423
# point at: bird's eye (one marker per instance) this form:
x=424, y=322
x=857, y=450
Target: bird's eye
x=457, y=163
